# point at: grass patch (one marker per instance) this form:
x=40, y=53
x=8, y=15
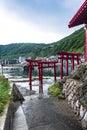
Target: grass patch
x=4, y=92
x=55, y=90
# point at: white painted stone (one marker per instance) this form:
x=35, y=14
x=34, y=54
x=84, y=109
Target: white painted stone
x=77, y=104
x=70, y=97
x=85, y=116
x=77, y=107
x=72, y=103
x=82, y=111
x=70, y=89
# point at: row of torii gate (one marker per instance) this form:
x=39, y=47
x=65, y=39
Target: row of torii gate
x=79, y=18
x=41, y=64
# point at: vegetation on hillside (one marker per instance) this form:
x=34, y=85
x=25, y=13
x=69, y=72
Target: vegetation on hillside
x=4, y=92
x=73, y=43
x=20, y=49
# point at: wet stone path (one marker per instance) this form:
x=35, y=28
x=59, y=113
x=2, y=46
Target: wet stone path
x=49, y=114
x=43, y=114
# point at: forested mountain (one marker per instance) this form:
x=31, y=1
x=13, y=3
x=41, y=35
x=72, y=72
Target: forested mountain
x=20, y=49
x=72, y=43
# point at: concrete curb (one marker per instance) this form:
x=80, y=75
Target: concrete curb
x=20, y=120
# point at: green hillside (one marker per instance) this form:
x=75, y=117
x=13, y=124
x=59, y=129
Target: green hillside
x=73, y=43
x=20, y=49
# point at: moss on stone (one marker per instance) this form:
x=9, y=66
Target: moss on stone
x=54, y=90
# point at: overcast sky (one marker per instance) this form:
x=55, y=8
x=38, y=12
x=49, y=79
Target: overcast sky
x=38, y=21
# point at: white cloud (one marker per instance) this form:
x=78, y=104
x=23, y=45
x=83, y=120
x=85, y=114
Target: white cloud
x=13, y=29
x=19, y=25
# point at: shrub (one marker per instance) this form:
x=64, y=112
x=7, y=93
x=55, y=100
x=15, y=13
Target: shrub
x=55, y=90
x=4, y=92
x=1, y=107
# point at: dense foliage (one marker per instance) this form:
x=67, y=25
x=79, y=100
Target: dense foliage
x=4, y=92
x=20, y=49
x=73, y=43
x=55, y=90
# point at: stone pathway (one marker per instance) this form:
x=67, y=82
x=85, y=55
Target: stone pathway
x=49, y=114
x=44, y=114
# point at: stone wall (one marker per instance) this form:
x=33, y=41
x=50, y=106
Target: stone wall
x=75, y=91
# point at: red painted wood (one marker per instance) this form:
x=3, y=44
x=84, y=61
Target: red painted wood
x=86, y=43
x=61, y=69
x=67, y=67
x=80, y=17
x=65, y=56
x=30, y=76
x=40, y=78
x=41, y=64
x=77, y=60
x=54, y=72
x=73, y=62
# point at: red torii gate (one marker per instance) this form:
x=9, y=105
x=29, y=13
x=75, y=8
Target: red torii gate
x=41, y=64
x=81, y=18
x=68, y=56
x=31, y=64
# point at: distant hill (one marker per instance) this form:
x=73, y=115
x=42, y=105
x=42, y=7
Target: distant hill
x=72, y=43
x=20, y=49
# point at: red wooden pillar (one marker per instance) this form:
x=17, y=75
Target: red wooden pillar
x=72, y=62
x=61, y=68
x=30, y=76
x=54, y=72
x=67, y=65
x=40, y=78
x=86, y=43
x=77, y=59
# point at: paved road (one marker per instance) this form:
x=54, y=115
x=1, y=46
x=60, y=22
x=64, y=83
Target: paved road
x=49, y=114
